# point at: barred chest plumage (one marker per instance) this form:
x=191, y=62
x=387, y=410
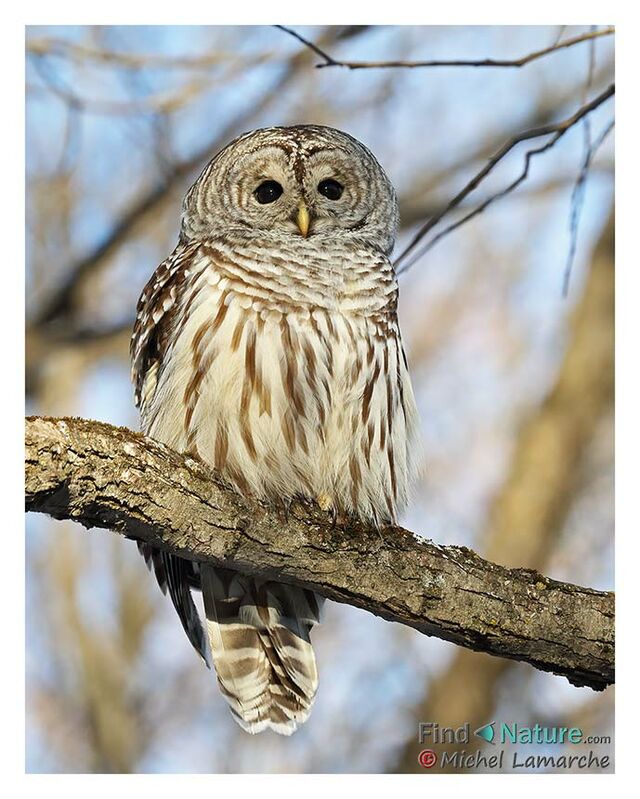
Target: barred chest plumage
x=285, y=371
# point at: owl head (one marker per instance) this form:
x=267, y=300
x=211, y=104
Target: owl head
x=305, y=183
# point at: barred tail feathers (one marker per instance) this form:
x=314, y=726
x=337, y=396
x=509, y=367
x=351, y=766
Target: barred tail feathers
x=259, y=638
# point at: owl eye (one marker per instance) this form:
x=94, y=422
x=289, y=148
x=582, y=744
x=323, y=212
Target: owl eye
x=330, y=189
x=268, y=192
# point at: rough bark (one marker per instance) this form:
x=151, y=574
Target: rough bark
x=104, y=476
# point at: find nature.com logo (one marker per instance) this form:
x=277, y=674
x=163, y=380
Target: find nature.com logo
x=502, y=734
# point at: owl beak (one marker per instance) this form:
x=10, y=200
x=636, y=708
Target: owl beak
x=303, y=219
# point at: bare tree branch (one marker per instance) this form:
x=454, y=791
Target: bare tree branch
x=414, y=208
x=545, y=109
x=330, y=61
x=103, y=476
x=555, y=130
x=577, y=195
x=165, y=103
x=577, y=199
x=63, y=48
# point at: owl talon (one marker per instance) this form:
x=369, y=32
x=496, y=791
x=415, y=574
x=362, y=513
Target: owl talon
x=324, y=501
x=286, y=507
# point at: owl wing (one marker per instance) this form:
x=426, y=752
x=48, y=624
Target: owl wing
x=178, y=576
x=156, y=319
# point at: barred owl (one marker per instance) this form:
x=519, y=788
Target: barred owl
x=268, y=345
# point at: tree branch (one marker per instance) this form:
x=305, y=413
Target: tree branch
x=103, y=476
x=555, y=131
x=329, y=61
x=67, y=49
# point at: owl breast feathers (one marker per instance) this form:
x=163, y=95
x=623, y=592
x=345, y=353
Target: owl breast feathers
x=268, y=345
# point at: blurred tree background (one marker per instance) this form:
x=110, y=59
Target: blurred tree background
x=513, y=374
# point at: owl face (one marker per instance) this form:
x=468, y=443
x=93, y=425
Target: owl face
x=302, y=183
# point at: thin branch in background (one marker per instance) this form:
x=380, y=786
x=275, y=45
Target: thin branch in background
x=153, y=105
x=480, y=208
x=330, y=61
x=559, y=34
x=70, y=141
x=136, y=83
x=556, y=131
x=61, y=48
x=542, y=113
x=577, y=199
x=577, y=195
x=307, y=43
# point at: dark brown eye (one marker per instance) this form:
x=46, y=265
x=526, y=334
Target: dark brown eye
x=268, y=192
x=330, y=189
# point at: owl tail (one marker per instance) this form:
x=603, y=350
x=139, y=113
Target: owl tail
x=259, y=638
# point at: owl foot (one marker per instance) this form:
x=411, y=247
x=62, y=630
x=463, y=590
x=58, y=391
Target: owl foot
x=338, y=517
x=324, y=501
x=285, y=507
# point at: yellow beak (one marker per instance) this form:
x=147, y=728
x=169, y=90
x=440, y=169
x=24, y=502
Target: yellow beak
x=303, y=219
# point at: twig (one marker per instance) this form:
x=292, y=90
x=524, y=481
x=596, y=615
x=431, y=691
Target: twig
x=559, y=34
x=577, y=195
x=541, y=114
x=65, y=49
x=155, y=104
x=412, y=210
x=330, y=61
x=109, y=477
x=577, y=198
x=555, y=130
